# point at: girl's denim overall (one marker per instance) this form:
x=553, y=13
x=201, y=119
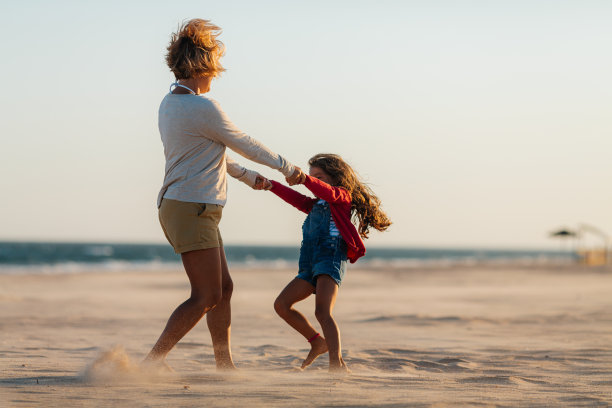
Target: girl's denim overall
x=321, y=253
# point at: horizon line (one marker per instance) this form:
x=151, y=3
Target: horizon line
x=243, y=244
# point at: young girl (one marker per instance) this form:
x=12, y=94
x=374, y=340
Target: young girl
x=329, y=239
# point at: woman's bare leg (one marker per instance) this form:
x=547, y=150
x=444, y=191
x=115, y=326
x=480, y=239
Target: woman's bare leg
x=203, y=267
x=327, y=291
x=219, y=319
x=295, y=291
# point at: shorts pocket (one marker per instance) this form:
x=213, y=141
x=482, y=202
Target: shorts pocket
x=202, y=209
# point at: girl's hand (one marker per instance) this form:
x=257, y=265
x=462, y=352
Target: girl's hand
x=262, y=183
x=298, y=177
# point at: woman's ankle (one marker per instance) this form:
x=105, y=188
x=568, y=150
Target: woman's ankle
x=154, y=356
x=335, y=360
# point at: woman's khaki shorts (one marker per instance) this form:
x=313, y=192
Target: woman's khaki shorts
x=190, y=226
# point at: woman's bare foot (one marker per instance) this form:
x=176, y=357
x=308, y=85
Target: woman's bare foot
x=341, y=368
x=159, y=365
x=226, y=366
x=317, y=347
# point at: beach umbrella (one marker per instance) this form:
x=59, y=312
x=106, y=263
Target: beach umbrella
x=564, y=233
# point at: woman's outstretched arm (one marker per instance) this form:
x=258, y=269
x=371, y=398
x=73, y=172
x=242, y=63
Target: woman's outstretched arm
x=224, y=131
x=234, y=169
x=249, y=177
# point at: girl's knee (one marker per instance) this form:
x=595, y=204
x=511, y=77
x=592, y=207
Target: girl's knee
x=322, y=314
x=281, y=307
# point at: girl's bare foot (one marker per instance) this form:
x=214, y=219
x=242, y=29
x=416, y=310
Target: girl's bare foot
x=317, y=347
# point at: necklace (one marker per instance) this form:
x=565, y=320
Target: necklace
x=182, y=86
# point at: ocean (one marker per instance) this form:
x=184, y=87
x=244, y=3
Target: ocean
x=53, y=257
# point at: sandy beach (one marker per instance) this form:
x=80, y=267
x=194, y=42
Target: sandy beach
x=461, y=336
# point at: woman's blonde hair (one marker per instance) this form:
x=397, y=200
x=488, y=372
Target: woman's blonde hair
x=194, y=50
x=364, y=203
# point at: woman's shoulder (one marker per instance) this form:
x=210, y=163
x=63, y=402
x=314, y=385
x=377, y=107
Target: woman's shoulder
x=197, y=107
x=208, y=105
x=201, y=101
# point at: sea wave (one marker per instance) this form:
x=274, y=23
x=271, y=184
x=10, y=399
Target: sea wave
x=86, y=267
x=397, y=264
x=54, y=258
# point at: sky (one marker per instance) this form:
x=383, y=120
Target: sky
x=477, y=123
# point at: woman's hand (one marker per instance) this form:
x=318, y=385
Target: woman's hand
x=262, y=183
x=298, y=177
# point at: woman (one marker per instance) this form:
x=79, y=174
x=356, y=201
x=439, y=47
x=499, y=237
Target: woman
x=195, y=132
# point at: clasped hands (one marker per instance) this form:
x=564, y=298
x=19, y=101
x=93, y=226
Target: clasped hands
x=262, y=183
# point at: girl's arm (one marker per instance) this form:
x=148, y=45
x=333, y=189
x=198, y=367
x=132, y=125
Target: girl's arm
x=326, y=192
x=298, y=200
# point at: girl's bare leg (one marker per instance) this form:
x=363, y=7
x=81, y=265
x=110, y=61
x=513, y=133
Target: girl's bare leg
x=295, y=291
x=327, y=291
x=219, y=319
x=203, y=267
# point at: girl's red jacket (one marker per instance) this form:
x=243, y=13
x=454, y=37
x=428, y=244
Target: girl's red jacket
x=339, y=204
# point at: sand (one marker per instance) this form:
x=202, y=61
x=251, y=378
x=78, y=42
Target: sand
x=455, y=336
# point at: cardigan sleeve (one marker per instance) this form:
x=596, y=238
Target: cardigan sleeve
x=326, y=192
x=298, y=200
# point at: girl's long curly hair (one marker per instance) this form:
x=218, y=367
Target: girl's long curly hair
x=365, y=205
